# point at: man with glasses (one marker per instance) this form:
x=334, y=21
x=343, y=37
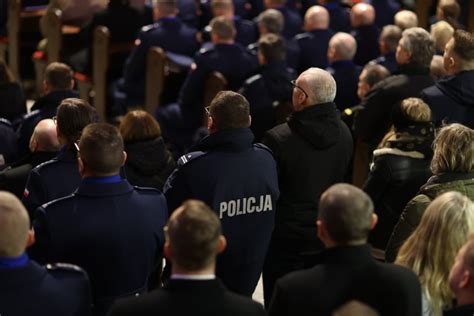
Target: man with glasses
x=238, y=179
x=313, y=151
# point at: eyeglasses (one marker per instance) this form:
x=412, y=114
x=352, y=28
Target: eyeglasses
x=293, y=83
x=208, y=110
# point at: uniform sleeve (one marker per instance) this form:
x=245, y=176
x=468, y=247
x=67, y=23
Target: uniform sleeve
x=136, y=63
x=409, y=220
x=191, y=92
x=177, y=189
x=39, y=249
x=34, y=195
x=279, y=305
x=378, y=180
x=85, y=305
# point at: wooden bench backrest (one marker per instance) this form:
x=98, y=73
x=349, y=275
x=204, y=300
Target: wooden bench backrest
x=215, y=83
x=155, y=77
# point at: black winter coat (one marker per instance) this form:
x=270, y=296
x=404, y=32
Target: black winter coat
x=148, y=163
x=313, y=151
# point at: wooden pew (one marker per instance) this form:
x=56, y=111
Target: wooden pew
x=19, y=21
x=155, y=78
x=215, y=83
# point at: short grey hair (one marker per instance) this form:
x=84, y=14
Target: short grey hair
x=419, y=43
x=406, y=19
x=344, y=44
x=322, y=86
x=272, y=20
x=391, y=35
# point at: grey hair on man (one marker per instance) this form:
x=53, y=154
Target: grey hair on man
x=343, y=45
x=321, y=86
x=419, y=43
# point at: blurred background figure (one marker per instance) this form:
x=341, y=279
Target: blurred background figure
x=406, y=19
x=12, y=104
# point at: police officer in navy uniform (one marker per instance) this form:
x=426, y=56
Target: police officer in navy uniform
x=239, y=181
x=388, y=42
x=340, y=20
x=8, y=142
x=270, y=87
x=26, y=288
x=365, y=32
x=60, y=177
x=169, y=33
x=313, y=44
x=293, y=22
x=108, y=227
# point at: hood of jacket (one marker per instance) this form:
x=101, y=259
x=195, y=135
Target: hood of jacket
x=320, y=124
x=277, y=80
x=149, y=156
x=460, y=88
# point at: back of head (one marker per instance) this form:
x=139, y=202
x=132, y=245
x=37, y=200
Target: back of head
x=167, y=7
x=355, y=308
x=72, y=116
x=316, y=18
x=271, y=21
x=391, y=35
x=222, y=28
x=441, y=32
x=319, y=85
x=437, y=70
x=344, y=46
x=419, y=43
x=59, y=76
x=14, y=226
x=272, y=48
x=374, y=73
x=406, y=19
x=346, y=212
x=411, y=111
x=362, y=14
x=449, y=10
x=101, y=149
x=139, y=126
x=5, y=74
x=468, y=259
x=273, y=3
x=222, y=7
x=453, y=150
x=44, y=137
x=432, y=247
x=229, y=110
x=463, y=46
x=193, y=232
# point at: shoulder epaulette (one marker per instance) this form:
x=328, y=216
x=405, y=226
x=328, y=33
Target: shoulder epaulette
x=253, y=79
x=146, y=189
x=45, y=205
x=252, y=48
x=184, y=159
x=206, y=50
x=31, y=114
x=6, y=122
x=62, y=267
x=46, y=163
x=302, y=36
x=148, y=28
x=262, y=146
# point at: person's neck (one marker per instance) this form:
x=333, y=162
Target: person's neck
x=89, y=174
x=175, y=270
x=465, y=297
x=223, y=41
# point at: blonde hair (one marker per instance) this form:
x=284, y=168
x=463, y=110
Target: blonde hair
x=453, y=150
x=416, y=110
x=431, y=249
x=441, y=32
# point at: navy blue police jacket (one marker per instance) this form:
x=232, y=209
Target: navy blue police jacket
x=388, y=61
x=265, y=91
x=293, y=22
x=231, y=60
x=346, y=74
x=339, y=17
x=114, y=231
x=246, y=31
x=367, y=38
x=238, y=180
x=172, y=35
x=51, y=180
x=26, y=289
x=8, y=142
x=313, y=49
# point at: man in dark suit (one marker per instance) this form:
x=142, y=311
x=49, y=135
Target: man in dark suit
x=341, y=52
x=313, y=44
x=26, y=288
x=452, y=99
x=111, y=229
x=347, y=270
x=44, y=146
x=57, y=86
x=193, y=240
x=365, y=32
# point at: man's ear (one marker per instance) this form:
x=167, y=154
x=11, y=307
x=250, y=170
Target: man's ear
x=210, y=123
x=80, y=165
x=31, y=238
x=71, y=85
x=124, y=159
x=466, y=279
x=320, y=229
x=250, y=120
x=374, y=221
x=222, y=244
x=168, y=250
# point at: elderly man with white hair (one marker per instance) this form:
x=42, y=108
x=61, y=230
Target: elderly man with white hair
x=365, y=32
x=341, y=52
x=313, y=150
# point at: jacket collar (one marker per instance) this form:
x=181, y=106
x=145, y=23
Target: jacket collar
x=235, y=139
x=412, y=70
x=67, y=154
x=449, y=177
x=203, y=286
x=345, y=255
x=87, y=188
x=21, y=276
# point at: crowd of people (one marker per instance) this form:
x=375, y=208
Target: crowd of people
x=337, y=165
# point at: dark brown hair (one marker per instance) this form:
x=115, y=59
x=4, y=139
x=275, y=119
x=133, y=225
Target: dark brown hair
x=464, y=45
x=229, y=110
x=139, y=126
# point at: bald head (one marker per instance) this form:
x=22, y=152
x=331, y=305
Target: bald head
x=362, y=14
x=346, y=212
x=44, y=137
x=14, y=226
x=406, y=19
x=342, y=46
x=316, y=18
x=318, y=84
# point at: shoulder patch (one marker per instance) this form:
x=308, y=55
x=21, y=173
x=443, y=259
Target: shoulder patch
x=62, y=267
x=253, y=79
x=302, y=36
x=45, y=205
x=263, y=147
x=184, y=159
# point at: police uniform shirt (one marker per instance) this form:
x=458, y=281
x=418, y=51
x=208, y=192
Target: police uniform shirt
x=27, y=288
x=239, y=182
x=313, y=47
x=293, y=22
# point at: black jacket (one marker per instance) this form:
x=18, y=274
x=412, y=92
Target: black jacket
x=463, y=310
x=346, y=274
x=374, y=120
x=452, y=99
x=148, y=163
x=313, y=151
x=186, y=297
x=394, y=179
x=264, y=91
